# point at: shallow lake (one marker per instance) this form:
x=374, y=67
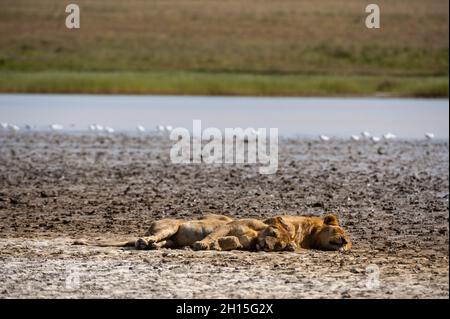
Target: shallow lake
x=407, y=118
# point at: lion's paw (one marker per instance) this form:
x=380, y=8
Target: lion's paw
x=229, y=243
x=150, y=240
x=200, y=245
x=291, y=247
x=141, y=244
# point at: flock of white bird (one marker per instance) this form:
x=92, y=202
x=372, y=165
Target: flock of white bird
x=139, y=128
x=9, y=127
x=375, y=139
x=97, y=128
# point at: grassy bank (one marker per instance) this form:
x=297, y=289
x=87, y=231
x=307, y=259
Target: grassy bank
x=266, y=47
x=197, y=83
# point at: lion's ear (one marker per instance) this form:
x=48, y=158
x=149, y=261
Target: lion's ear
x=330, y=219
x=272, y=220
x=283, y=223
x=289, y=227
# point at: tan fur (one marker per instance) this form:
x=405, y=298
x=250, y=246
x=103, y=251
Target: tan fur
x=318, y=233
x=222, y=233
x=246, y=233
x=171, y=233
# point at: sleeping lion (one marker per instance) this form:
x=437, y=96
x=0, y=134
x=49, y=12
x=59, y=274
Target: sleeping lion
x=313, y=233
x=217, y=232
x=278, y=233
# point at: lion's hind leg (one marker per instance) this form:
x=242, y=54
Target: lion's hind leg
x=209, y=241
x=158, y=231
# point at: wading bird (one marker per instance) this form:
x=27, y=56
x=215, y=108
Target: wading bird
x=109, y=130
x=389, y=136
x=140, y=129
x=365, y=134
x=375, y=139
x=56, y=127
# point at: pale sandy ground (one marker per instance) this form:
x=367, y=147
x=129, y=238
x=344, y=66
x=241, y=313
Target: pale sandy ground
x=54, y=268
x=392, y=198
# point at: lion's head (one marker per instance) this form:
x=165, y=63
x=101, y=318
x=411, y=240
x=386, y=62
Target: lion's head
x=277, y=236
x=331, y=236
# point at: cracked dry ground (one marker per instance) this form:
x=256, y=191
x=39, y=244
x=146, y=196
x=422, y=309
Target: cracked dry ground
x=391, y=197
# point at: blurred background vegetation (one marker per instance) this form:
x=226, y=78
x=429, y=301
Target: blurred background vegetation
x=229, y=47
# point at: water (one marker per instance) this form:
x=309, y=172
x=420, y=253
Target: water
x=407, y=118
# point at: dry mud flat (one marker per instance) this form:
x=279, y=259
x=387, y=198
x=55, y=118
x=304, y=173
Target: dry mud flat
x=392, y=198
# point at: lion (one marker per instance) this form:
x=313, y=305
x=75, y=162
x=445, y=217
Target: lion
x=218, y=232
x=244, y=234
x=313, y=233
x=171, y=233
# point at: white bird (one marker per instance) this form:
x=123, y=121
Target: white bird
x=13, y=127
x=375, y=139
x=355, y=137
x=389, y=136
x=169, y=128
x=99, y=128
x=365, y=134
x=324, y=138
x=109, y=130
x=92, y=127
x=161, y=128
x=140, y=129
x=429, y=136
x=4, y=125
x=56, y=127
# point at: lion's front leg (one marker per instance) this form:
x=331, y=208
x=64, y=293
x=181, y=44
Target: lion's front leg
x=229, y=243
x=248, y=241
x=242, y=242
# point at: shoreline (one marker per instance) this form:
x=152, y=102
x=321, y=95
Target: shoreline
x=223, y=84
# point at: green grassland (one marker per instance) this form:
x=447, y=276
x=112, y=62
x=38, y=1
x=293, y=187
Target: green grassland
x=196, y=83
x=228, y=47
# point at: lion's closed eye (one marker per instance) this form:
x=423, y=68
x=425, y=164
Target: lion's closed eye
x=271, y=232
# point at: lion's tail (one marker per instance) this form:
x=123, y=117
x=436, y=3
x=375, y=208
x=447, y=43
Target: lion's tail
x=129, y=243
